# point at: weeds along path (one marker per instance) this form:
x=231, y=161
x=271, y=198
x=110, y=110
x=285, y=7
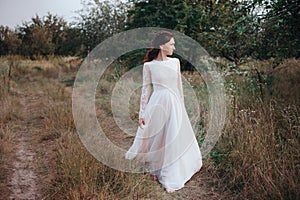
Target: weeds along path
x=33, y=161
x=198, y=188
x=142, y=186
x=31, y=172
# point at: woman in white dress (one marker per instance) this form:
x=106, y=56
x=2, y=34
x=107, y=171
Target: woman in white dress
x=165, y=142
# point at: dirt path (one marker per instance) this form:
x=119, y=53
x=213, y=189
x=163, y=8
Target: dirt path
x=33, y=160
x=31, y=173
x=23, y=182
x=197, y=188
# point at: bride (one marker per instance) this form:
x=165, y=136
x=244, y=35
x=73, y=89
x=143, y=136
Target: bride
x=165, y=142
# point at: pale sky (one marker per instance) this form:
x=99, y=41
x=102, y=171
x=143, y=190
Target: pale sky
x=15, y=12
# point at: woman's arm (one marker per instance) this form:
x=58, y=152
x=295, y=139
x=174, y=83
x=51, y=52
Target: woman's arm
x=179, y=82
x=146, y=90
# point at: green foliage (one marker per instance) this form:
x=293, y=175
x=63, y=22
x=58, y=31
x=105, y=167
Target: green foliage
x=281, y=27
x=232, y=29
x=167, y=13
x=228, y=28
x=9, y=41
x=42, y=36
x=73, y=43
x=99, y=20
x=231, y=32
x=225, y=28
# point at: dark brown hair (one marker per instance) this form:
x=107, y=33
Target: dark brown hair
x=161, y=38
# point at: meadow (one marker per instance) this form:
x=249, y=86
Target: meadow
x=256, y=157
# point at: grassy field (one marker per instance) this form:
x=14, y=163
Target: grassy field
x=257, y=156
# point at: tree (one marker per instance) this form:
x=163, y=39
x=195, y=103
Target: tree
x=235, y=31
x=42, y=36
x=9, y=41
x=72, y=43
x=40, y=41
x=281, y=27
x=167, y=13
x=99, y=20
x=57, y=28
x=225, y=28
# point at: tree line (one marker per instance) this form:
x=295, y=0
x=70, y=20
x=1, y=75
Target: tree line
x=234, y=29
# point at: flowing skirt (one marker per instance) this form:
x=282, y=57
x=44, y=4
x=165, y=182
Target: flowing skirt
x=167, y=145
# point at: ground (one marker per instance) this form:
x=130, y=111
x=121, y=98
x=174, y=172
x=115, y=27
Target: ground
x=33, y=156
x=30, y=168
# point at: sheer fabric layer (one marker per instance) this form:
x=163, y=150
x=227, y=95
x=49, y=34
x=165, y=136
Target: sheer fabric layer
x=166, y=145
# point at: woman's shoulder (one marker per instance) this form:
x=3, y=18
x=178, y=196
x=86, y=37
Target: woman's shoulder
x=170, y=59
x=174, y=59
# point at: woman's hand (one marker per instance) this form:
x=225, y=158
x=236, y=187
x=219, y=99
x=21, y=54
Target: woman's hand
x=141, y=122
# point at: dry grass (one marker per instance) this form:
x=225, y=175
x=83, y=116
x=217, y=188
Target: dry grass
x=80, y=176
x=257, y=156
x=9, y=110
x=283, y=82
x=259, y=153
x=7, y=138
x=10, y=106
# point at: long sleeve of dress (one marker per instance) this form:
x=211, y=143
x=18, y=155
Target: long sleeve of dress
x=146, y=90
x=179, y=83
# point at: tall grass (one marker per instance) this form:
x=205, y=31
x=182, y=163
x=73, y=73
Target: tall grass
x=257, y=157
x=81, y=176
x=259, y=153
x=7, y=138
x=9, y=110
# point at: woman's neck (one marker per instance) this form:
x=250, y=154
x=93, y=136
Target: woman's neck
x=161, y=56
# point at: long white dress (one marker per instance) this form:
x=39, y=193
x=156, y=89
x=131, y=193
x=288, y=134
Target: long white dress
x=166, y=145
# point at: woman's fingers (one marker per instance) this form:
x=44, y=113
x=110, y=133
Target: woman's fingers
x=141, y=122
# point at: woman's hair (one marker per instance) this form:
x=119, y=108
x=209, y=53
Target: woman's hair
x=161, y=38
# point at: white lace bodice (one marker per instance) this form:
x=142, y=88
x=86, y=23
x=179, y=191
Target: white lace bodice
x=162, y=75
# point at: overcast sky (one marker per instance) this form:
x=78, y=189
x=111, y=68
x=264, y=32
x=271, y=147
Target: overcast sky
x=15, y=12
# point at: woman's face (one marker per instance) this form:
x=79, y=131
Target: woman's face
x=169, y=47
